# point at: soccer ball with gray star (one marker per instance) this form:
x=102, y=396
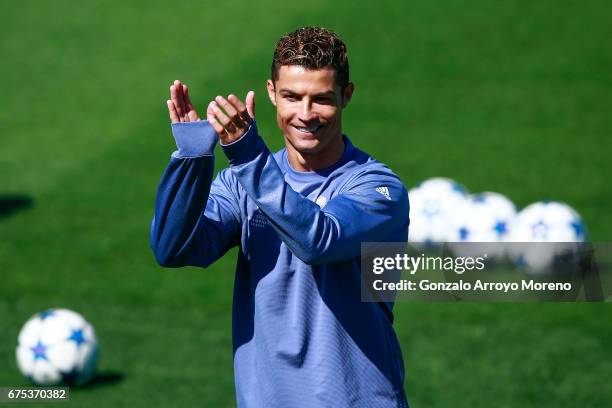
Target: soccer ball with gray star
x=57, y=346
x=481, y=225
x=546, y=236
x=431, y=207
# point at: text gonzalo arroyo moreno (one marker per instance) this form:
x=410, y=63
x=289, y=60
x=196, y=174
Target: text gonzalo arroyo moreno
x=458, y=265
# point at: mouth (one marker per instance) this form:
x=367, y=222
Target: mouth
x=307, y=130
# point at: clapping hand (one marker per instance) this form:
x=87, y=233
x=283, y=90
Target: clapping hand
x=229, y=117
x=179, y=104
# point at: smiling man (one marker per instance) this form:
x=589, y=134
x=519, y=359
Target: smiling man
x=302, y=336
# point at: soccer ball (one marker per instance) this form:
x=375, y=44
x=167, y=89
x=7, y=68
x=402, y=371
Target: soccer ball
x=485, y=218
x=546, y=235
x=57, y=346
x=431, y=207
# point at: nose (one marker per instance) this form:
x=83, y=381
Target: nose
x=306, y=113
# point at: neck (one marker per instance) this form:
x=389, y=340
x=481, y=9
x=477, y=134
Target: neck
x=330, y=155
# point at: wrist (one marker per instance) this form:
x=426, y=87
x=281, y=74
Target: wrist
x=227, y=138
x=194, y=139
x=244, y=148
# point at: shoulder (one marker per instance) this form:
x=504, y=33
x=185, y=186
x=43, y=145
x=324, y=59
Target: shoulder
x=366, y=170
x=374, y=187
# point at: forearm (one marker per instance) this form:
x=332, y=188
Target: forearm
x=182, y=196
x=313, y=234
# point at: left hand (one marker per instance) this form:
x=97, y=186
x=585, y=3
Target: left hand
x=231, y=117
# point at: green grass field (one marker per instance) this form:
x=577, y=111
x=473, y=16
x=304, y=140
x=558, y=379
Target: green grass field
x=505, y=96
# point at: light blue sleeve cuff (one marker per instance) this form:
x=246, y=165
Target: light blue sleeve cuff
x=194, y=139
x=244, y=149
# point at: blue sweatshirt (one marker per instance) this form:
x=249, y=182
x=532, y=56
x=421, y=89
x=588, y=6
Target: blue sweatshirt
x=302, y=337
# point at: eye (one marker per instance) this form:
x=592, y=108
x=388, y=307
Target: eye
x=324, y=100
x=290, y=98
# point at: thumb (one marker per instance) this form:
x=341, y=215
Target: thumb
x=250, y=103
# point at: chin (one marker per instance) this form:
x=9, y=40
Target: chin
x=306, y=146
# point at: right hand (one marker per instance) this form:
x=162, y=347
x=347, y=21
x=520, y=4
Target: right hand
x=231, y=117
x=179, y=104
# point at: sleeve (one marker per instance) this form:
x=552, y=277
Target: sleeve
x=374, y=207
x=195, y=221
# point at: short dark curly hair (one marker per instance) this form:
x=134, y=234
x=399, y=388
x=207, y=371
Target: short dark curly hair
x=312, y=48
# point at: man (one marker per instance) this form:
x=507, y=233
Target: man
x=302, y=336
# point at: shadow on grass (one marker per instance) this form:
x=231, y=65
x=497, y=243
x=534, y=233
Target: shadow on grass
x=12, y=203
x=104, y=379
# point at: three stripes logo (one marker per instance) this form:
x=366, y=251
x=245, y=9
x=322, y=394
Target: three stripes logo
x=384, y=191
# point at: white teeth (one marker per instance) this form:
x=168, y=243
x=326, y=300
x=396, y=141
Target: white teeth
x=307, y=130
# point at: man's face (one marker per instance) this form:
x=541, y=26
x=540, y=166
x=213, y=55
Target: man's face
x=309, y=107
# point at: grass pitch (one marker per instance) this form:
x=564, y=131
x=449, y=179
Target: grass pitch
x=510, y=97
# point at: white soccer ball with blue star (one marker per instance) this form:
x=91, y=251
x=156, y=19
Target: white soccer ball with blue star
x=57, y=346
x=546, y=236
x=485, y=219
x=431, y=208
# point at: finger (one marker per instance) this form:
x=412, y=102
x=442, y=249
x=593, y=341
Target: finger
x=250, y=103
x=183, y=101
x=188, y=104
x=192, y=115
x=230, y=111
x=172, y=111
x=222, y=117
x=212, y=119
x=180, y=104
x=240, y=107
x=174, y=96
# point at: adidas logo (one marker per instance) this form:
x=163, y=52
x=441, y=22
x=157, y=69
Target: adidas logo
x=384, y=191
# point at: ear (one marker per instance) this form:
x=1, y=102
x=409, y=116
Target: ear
x=348, y=94
x=271, y=91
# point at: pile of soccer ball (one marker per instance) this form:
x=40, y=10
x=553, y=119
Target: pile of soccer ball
x=442, y=211
x=57, y=346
